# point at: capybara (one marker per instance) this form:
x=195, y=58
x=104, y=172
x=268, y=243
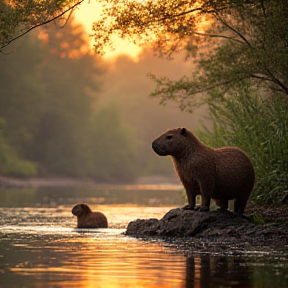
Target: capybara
x=221, y=174
x=88, y=219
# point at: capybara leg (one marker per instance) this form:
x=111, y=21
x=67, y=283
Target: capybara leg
x=223, y=204
x=206, y=189
x=205, y=204
x=192, y=189
x=191, y=200
x=239, y=205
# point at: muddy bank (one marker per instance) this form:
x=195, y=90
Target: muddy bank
x=216, y=231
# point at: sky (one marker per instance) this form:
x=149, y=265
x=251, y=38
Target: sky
x=87, y=13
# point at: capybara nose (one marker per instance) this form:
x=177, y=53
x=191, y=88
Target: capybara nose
x=155, y=147
x=158, y=149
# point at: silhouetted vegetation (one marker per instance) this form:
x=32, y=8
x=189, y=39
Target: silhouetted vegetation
x=259, y=125
x=49, y=125
x=18, y=17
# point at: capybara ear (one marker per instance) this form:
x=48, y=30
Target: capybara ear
x=183, y=131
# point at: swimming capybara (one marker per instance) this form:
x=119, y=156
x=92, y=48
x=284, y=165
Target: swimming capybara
x=88, y=219
x=221, y=174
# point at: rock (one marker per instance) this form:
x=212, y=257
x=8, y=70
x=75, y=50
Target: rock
x=214, y=231
x=180, y=222
x=147, y=227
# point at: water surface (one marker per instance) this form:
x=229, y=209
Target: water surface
x=41, y=247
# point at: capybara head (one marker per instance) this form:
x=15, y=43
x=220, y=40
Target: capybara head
x=172, y=142
x=80, y=209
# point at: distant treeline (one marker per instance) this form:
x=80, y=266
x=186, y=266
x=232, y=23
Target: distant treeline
x=48, y=123
x=53, y=122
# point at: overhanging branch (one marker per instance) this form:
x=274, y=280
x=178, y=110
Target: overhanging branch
x=70, y=9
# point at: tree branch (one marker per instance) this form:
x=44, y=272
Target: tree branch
x=162, y=20
x=6, y=43
x=234, y=30
x=218, y=36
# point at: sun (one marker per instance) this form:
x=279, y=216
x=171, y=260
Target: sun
x=87, y=13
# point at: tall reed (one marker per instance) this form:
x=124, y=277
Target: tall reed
x=259, y=125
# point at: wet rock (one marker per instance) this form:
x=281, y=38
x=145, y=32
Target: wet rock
x=216, y=231
x=212, y=228
x=180, y=222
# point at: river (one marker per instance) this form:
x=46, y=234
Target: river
x=41, y=247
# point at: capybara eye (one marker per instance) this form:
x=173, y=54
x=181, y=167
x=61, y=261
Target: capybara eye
x=169, y=137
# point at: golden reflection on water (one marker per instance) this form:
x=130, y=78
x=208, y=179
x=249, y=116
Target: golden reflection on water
x=41, y=247
x=46, y=250
x=109, y=263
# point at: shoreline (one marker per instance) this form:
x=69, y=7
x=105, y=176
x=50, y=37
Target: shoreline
x=35, y=182
x=217, y=232
x=12, y=182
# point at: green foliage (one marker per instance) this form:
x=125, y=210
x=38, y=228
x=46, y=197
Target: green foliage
x=240, y=40
x=114, y=148
x=47, y=99
x=17, y=17
x=138, y=20
x=11, y=164
x=257, y=219
x=258, y=125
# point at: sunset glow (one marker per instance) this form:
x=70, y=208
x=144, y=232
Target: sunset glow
x=86, y=14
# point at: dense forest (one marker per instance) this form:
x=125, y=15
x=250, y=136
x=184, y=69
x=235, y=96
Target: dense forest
x=65, y=112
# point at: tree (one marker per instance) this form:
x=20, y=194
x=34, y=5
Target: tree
x=49, y=116
x=71, y=80
x=236, y=40
x=18, y=17
x=11, y=163
x=22, y=93
x=114, y=147
x=47, y=91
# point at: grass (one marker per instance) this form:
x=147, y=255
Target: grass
x=259, y=125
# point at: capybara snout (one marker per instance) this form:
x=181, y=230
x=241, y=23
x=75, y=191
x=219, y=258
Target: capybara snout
x=78, y=210
x=158, y=149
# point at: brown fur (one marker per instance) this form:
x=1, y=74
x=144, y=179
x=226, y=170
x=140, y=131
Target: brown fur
x=222, y=174
x=88, y=219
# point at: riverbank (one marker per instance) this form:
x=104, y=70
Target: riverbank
x=217, y=232
x=12, y=182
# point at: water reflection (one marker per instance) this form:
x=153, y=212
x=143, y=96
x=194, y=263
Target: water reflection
x=84, y=259
x=217, y=271
x=41, y=247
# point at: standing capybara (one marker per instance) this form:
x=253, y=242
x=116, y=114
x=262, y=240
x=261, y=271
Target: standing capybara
x=221, y=174
x=88, y=219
